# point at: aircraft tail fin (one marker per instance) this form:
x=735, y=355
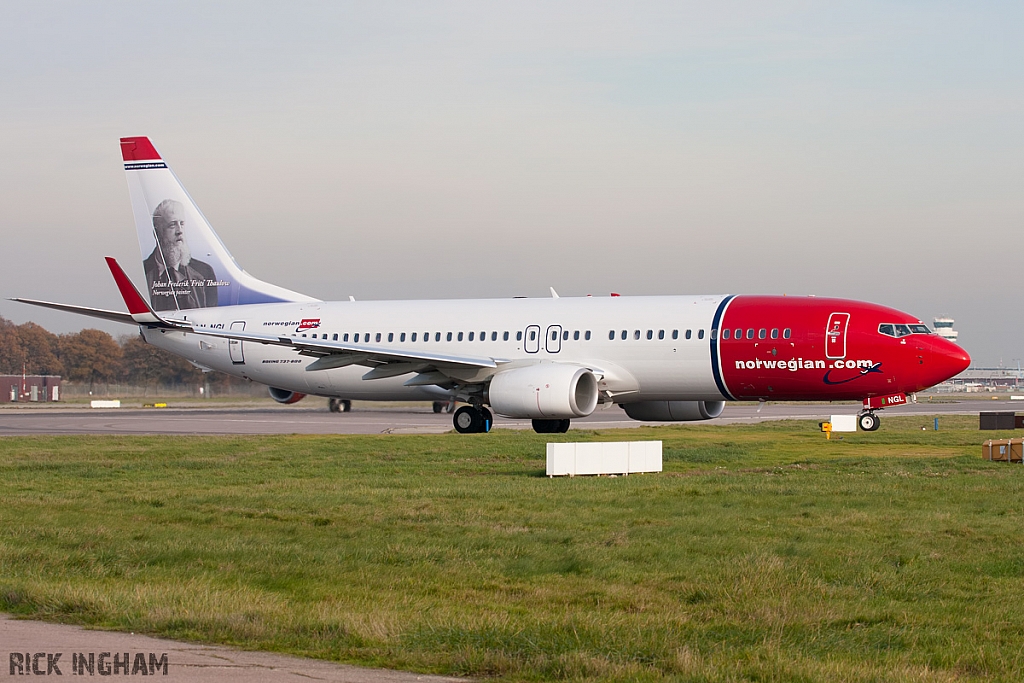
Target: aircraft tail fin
x=186, y=264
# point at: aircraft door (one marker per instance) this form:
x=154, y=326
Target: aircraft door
x=835, y=335
x=235, y=345
x=532, y=341
x=553, y=339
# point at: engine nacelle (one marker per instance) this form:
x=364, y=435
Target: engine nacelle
x=674, y=411
x=545, y=390
x=285, y=396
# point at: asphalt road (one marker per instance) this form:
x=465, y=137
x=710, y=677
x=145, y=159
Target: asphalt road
x=185, y=661
x=312, y=417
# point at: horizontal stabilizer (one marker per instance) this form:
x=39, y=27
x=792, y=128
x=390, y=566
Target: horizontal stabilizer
x=101, y=313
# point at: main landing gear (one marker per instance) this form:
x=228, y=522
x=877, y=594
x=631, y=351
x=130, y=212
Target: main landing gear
x=472, y=420
x=551, y=426
x=868, y=422
x=339, y=405
x=444, y=406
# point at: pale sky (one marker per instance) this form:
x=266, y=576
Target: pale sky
x=414, y=150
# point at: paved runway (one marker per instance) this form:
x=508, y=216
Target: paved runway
x=312, y=417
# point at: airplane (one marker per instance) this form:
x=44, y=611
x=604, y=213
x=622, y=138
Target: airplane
x=550, y=360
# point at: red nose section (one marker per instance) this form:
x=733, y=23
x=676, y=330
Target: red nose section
x=944, y=360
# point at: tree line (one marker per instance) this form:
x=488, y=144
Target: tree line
x=93, y=357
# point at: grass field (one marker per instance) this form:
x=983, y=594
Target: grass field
x=761, y=553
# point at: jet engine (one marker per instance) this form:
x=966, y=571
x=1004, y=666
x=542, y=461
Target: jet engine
x=285, y=396
x=674, y=411
x=544, y=391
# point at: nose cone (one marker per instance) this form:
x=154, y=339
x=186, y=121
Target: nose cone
x=943, y=360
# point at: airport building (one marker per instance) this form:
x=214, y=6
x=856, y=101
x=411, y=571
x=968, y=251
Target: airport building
x=32, y=388
x=944, y=328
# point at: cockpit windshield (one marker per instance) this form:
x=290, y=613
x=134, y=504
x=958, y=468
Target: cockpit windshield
x=902, y=330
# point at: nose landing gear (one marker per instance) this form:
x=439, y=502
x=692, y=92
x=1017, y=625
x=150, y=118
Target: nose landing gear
x=339, y=405
x=868, y=422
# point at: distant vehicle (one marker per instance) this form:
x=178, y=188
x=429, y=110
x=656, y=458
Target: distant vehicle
x=662, y=358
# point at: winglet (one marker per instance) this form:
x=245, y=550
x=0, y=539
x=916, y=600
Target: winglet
x=137, y=306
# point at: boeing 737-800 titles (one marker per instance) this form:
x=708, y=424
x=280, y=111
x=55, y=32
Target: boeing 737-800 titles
x=662, y=358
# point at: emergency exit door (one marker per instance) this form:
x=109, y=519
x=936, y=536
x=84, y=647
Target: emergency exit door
x=235, y=345
x=835, y=335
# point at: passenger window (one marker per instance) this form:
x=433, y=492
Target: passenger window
x=413, y=338
x=355, y=337
x=533, y=335
x=738, y=334
x=611, y=334
x=378, y=336
x=335, y=337
x=565, y=335
x=519, y=335
x=391, y=336
x=650, y=334
x=494, y=336
x=786, y=333
x=470, y=336
x=304, y=334
x=661, y=334
x=714, y=334
x=636, y=334
x=675, y=334
x=775, y=333
x=762, y=333
x=689, y=333
x=623, y=335
x=345, y=337
x=576, y=335
x=586, y=335
x=725, y=333
x=437, y=336
x=504, y=336
x=554, y=335
x=750, y=333
x=700, y=334
x=402, y=337
x=483, y=336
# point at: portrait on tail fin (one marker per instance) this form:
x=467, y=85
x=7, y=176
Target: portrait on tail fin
x=176, y=281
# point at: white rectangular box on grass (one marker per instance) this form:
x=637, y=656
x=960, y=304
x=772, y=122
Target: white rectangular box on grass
x=603, y=457
x=105, y=404
x=844, y=423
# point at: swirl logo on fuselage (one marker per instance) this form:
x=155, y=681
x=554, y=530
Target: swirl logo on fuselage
x=877, y=367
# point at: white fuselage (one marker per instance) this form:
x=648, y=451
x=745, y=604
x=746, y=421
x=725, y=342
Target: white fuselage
x=666, y=353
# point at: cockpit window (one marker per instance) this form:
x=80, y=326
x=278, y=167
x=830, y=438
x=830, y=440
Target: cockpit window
x=899, y=330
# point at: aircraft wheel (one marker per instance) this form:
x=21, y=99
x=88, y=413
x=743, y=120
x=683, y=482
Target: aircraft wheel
x=547, y=426
x=868, y=422
x=439, y=406
x=332, y=405
x=468, y=420
x=486, y=420
x=346, y=405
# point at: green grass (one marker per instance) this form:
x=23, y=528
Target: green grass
x=761, y=553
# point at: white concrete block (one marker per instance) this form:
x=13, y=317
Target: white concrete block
x=844, y=423
x=105, y=404
x=607, y=457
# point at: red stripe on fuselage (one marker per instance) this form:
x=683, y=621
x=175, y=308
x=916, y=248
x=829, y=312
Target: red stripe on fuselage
x=799, y=368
